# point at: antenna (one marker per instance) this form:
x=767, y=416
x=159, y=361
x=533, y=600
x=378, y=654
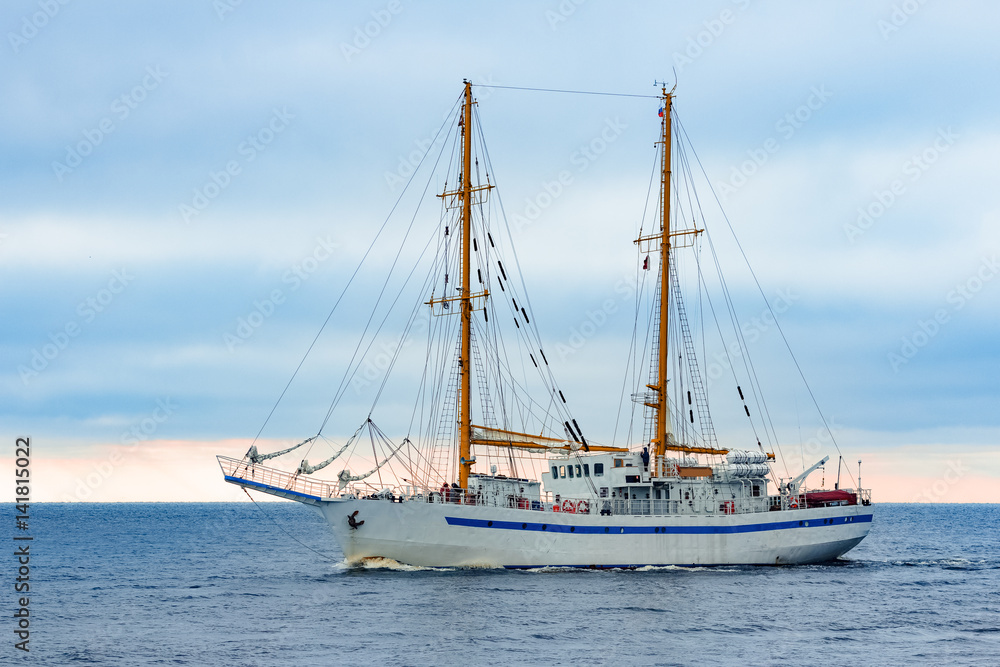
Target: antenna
x=664, y=83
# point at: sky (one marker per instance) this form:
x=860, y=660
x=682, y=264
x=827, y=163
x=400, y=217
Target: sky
x=169, y=169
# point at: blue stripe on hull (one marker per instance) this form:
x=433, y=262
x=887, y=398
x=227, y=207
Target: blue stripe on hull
x=653, y=530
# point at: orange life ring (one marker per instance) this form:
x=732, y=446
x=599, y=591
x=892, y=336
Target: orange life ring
x=583, y=507
x=794, y=503
x=569, y=507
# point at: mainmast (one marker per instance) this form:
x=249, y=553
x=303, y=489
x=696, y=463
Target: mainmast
x=465, y=362
x=661, y=409
x=660, y=439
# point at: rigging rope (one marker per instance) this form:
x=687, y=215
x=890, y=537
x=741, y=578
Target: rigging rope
x=572, y=92
x=766, y=302
x=280, y=527
x=342, y=388
x=351, y=279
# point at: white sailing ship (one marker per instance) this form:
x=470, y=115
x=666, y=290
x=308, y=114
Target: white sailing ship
x=519, y=485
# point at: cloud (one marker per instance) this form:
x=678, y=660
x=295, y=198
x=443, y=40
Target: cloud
x=354, y=120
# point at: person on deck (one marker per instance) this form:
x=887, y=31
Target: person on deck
x=645, y=458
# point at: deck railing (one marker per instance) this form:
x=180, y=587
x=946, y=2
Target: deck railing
x=274, y=478
x=280, y=480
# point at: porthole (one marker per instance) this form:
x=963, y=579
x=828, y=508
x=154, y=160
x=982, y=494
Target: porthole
x=523, y=526
x=489, y=524
x=607, y=530
x=572, y=529
x=544, y=526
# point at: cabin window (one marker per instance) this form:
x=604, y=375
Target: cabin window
x=756, y=490
x=562, y=471
x=579, y=473
x=598, y=470
x=619, y=463
x=586, y=470
x=555, y=472
x=569, y=469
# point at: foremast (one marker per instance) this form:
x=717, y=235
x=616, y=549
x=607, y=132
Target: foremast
x=464, y=195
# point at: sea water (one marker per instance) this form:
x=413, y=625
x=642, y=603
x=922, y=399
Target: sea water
x=240, y=584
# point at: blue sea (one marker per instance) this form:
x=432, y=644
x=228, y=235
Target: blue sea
x=238, y=584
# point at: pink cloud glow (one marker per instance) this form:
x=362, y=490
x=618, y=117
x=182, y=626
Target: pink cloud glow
x=186, y=471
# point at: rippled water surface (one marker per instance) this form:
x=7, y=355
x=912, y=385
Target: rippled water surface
x=234, y=584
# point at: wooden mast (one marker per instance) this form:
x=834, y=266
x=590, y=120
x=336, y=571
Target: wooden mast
x=659, y=438
x=661, y=379
x=465, y=362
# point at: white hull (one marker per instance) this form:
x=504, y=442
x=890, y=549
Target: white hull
x=450, y=535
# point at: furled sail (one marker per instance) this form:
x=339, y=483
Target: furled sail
x=256, y=457
x=345, y=477
x=306, y=469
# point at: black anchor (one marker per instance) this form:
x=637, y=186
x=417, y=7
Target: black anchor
x=354, y=523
